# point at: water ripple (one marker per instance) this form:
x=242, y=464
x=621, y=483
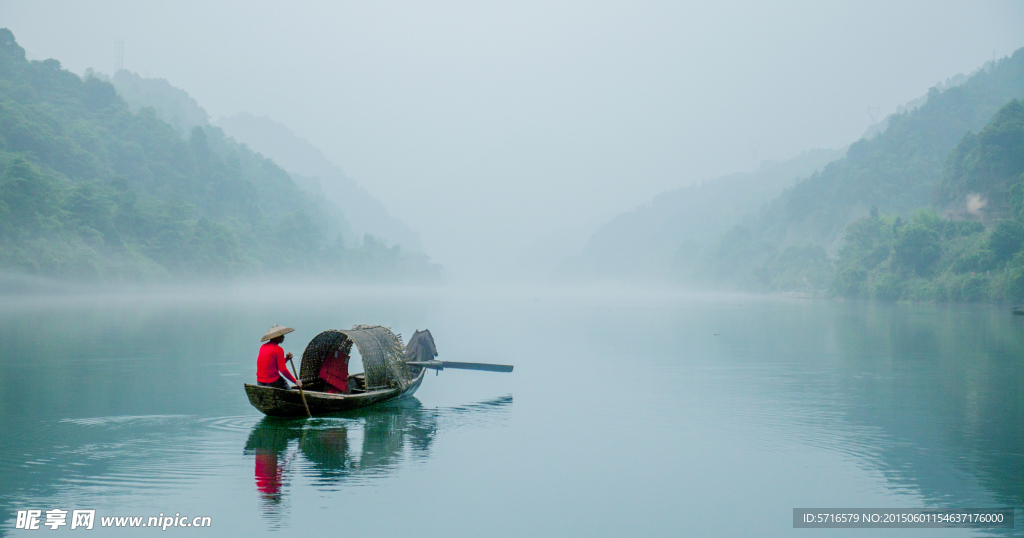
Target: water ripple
x=240, y=424
x=131, y=420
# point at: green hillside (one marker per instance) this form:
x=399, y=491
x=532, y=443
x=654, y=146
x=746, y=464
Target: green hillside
x=987, y=166
x=896, y=170
x=173, y=105
x=920, y=159
x=958, y=258
x=316, y=174
x=657, y=239
x=91, y=190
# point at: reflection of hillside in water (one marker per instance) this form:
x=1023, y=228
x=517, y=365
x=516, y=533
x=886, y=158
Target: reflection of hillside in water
x=946, y=390
x=359, y=445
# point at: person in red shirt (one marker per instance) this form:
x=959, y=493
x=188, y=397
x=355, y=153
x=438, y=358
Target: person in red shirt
x=335, y=371
x=271, y=363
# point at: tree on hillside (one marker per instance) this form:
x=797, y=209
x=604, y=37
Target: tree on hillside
x=989, y=163
x=1006, y=240
x=917, y=249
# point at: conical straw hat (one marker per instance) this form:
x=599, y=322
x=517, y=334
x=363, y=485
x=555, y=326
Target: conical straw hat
x=276, y=331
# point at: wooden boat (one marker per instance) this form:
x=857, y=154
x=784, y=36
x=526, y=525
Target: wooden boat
x=392, y=372
x=277, y=402
x=1018, y=311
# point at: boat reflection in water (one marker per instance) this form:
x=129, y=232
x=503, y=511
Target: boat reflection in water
x=358, y=445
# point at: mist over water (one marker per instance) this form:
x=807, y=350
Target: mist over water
x=493, y=130
x=677, y=406
x=570, y=188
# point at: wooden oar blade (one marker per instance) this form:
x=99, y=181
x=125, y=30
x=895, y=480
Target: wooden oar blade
x=441, y=365
x=478, y=366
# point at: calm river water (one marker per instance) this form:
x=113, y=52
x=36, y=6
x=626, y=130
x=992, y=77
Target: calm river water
x=628, y=414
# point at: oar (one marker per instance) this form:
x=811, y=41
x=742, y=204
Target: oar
x=441, y=365
x=301, y=393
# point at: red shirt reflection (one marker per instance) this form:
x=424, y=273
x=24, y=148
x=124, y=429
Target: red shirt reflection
x=268, y=473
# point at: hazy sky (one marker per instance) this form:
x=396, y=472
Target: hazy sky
x=487, y=126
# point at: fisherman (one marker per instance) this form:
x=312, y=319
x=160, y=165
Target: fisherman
x=270, y=365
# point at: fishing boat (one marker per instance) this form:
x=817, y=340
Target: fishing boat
x=391, y=372
x=1018, y=311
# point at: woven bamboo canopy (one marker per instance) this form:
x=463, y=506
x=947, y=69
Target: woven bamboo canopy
x=382, y=352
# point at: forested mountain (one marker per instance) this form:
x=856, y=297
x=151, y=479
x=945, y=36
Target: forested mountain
x=922, y=209
x=318, y=175
x=308, y=166
x=930, y=257
x=651, y=240
x=173, y=105
x=986, y=168
x=91, y=190
x=895, y=172
x=176, y=107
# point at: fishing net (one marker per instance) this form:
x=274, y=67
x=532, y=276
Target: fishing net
x=381, y=350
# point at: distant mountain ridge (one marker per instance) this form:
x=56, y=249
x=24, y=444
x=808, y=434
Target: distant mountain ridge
x=308, y=166
x=895, y=171
x=316, y=173
x=90, y=190
x=882, y=181
x=963, y=254
x=776, y=236
x=646, y=242
x=171, y=104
